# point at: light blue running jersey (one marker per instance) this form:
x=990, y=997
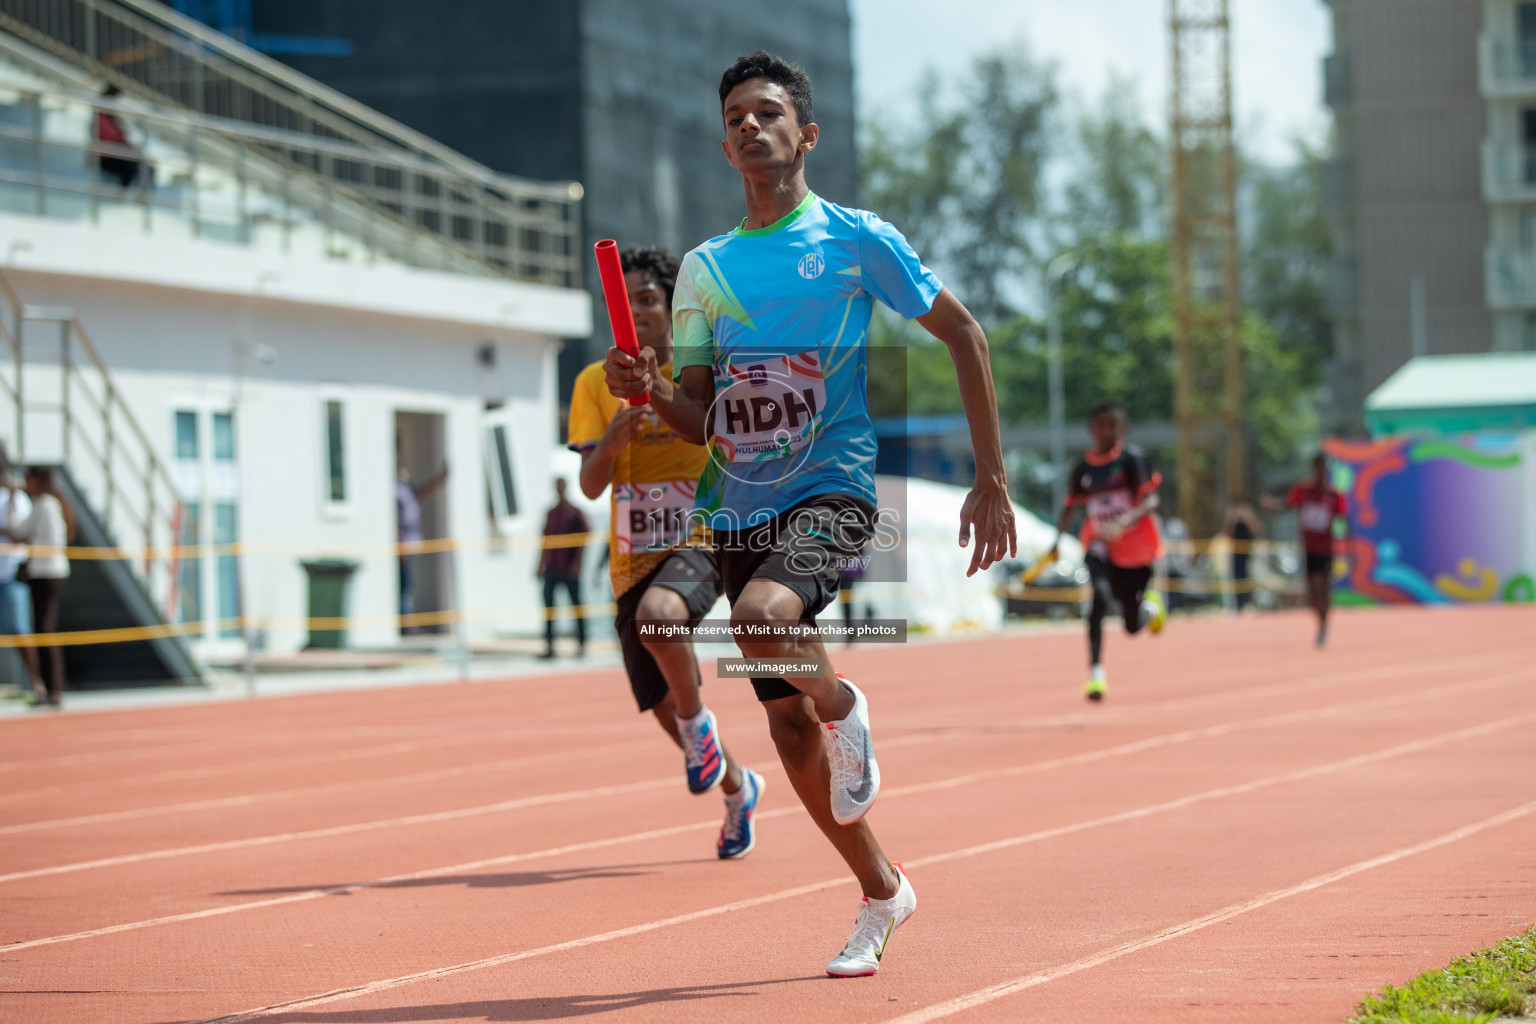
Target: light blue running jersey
x=782, y=315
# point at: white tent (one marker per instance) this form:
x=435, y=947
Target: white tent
x=935, y=595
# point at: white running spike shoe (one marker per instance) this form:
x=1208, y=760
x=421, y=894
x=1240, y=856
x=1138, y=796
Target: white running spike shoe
x=877, y=921
x=851, y=754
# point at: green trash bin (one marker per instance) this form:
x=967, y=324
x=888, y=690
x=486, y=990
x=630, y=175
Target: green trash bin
x=330, y=592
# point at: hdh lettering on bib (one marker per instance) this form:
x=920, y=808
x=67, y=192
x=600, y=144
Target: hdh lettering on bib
x=652, y=516
x=768, y=407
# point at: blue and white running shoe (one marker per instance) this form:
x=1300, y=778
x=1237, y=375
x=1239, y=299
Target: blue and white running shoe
x=701, y=751
x=739, y=833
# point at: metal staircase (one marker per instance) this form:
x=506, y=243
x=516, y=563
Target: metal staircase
x=60, y=407
x=511, y=227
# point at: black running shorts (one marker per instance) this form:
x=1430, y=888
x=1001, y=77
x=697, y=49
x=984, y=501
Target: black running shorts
x=692, y=574
x=806, y=548
x=1126, y=585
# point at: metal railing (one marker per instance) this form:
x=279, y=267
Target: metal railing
x=523, y=229
x=66, y=410
x=221, y=179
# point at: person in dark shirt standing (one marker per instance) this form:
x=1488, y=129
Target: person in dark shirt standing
x=560, y=567
x=1117, y=487
x=1241, y=525
x=1318, y=504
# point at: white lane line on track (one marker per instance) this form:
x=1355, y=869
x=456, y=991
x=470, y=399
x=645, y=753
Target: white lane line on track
x=235, y=768
x=1118, y=715
x=649, y=784
x=372, y=987
x=1121, y=714
x=215, y=770
x=624, y=840
x=1233, y=690
x=299, y=737
x=274, y=737
x=1007, y=988
x=459, y=771
x=342, y=830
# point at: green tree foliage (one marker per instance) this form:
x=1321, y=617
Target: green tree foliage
x=967, y=185
x=1119, y=184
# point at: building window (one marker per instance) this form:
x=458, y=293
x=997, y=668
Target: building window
x=191, y=575
x=226, y=531
x=208, y=480
x=227, y=566
x=335, y=452
x=189, y=482
x=186, y=435
x=498, y=471
x=1525, y=25
x=1528, y=141
x=223, y=437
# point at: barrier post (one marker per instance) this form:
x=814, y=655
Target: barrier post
x=246, y=630
x=461, y=620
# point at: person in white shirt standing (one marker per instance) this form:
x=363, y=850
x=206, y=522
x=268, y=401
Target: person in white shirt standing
x=15, y=598
x=47, y=530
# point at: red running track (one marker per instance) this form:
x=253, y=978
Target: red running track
x=1246, y=830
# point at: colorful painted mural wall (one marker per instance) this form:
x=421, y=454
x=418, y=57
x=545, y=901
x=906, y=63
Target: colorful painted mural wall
x=1438, y=520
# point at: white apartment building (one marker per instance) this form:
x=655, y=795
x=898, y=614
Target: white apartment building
x=1507, y=80
x=1431, y=185
x=284, y=318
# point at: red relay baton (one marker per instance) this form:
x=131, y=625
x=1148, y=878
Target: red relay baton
x=616, y=295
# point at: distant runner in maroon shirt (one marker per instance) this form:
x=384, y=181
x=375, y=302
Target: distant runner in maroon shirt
x=1318, y=505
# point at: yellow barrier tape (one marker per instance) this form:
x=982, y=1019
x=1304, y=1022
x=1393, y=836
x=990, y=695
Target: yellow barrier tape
x=131, y=634
x=124, y=634
x=1215, y=546
x=128, y=634
x=1173, y=585
x=193, y=551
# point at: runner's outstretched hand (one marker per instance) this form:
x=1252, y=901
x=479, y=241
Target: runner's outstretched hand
x=988, y=511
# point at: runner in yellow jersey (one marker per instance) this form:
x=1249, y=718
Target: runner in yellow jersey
x=658, y=577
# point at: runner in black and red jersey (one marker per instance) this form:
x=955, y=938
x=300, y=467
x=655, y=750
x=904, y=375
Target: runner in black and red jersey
x=1318, y=505
x=1117, y=487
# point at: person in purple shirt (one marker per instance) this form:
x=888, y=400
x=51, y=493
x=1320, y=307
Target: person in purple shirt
x=408, y=499
x=560, y=567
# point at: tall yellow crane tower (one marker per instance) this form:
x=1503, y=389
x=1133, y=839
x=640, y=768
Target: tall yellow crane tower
x=1207, y=299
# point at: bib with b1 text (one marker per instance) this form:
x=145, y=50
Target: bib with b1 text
x=652, y=516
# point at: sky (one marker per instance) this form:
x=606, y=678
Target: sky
x=1278, y=46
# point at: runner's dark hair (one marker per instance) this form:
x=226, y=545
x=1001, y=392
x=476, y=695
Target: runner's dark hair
x=655, y=261
x=762, y=64
x=1106, y=406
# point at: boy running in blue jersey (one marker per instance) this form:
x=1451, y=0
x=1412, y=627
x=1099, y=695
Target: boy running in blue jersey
x=770, y=323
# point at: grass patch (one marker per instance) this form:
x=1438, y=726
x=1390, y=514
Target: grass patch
x=1472, y=989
